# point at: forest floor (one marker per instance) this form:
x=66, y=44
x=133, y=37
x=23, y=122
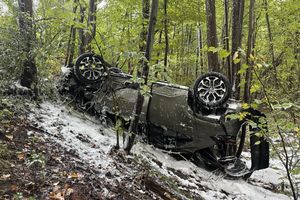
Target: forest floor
x=50, y=151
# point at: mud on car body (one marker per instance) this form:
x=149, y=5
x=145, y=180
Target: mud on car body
x=174, y=117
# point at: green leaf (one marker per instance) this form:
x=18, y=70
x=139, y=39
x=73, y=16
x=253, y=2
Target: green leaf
x=295, y=171
x=224, y=53
x=254, y=88
x=251, y=58
x=257, y=143
x=245, y=106
x=236, y=61
x=243, y=69
x=213, y=49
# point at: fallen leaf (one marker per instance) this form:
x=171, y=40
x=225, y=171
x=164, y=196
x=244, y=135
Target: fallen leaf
x=4, y=177
x=21, y=156
x=13, y=187
x=9, y=137
x=57, y=196
x=75, y=175
x=27, y=145
x=69, y=191
x=55, y=184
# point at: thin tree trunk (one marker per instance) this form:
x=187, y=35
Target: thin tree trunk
x=200, y=46
x=159, y=42
x=166, y=37
x=80, y=31
x=188, y=46
x=140, y=98
x=198, y=49
x=91, y=26
x=212, y=40
x=226, y=37
x=271, y=40
x=29, y=76
x=130, y=69
x=237, y=29
x=72, y=37
x=143, y=34
x=250, y=46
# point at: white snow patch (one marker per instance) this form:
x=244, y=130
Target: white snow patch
x=71, y=131
x=217, y=117
x=20, y=87
x=65, y=70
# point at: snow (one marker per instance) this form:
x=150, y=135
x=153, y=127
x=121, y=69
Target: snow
x=73, y=131
x=20, y=87
x=65, y=70
x=3, y=8
x=93, y=142
x=217, y=117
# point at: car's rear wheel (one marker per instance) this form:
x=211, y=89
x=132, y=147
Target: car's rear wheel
x=212, y=90
x=90, y=68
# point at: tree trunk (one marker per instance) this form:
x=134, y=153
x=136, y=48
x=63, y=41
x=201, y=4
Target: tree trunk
x=212, y=40
x=29, y=76
x=250, y=46
x=166, y=37
x=91, y=26
x=159, y=43
x=143, y=34
x=226, y=37
x=140, y=98
x=237, y=29
x=72, y=37
x=271, y=45
x=80, y=31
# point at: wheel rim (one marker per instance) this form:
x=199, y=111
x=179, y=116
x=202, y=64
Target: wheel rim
x=211, y=89
x=91, y=68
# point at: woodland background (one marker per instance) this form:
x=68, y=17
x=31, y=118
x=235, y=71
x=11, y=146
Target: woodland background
x=256, y=43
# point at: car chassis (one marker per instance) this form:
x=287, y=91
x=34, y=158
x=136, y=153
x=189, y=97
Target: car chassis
x=174, y=117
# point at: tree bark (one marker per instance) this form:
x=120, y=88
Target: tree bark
x=72, y=37
x=129, y=140
x=80, y=31
x=271, y=45
x=166, y=21
x=237, y=29
x=226, y=37
x=212, y=40
x=29, y=76
x=250, y=46
x=143, y=34
x=199, y=60
x=91, y=26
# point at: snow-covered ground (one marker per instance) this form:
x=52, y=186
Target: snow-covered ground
x=92, y=142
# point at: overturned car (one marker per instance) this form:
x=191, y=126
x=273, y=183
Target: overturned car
x=188, y=120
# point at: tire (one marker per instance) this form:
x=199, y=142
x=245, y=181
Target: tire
x=212, y=90
x=90, y=68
